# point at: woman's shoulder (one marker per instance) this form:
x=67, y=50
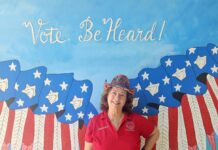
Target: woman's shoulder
x=137, y=116
x=98, y=116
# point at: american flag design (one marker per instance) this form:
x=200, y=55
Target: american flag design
x=51, y=111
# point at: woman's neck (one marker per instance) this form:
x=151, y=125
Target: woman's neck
x=115, y=114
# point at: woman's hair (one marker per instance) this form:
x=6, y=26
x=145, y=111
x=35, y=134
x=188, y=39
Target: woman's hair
x=126, y=108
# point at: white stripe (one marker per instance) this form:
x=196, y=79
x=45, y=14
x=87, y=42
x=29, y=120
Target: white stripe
x=198, y=122
x=212, y=111
x=57, y=142
x=3, y=122
x=213, y=84
x=182, y=137
x=163, y=125
x=18, y=128
x=38, y=142
x=74, y=135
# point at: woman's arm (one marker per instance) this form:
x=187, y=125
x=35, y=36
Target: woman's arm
x=152, y=139
x=88, y=146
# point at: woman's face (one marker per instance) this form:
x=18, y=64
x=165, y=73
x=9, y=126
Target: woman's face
x=116, y=98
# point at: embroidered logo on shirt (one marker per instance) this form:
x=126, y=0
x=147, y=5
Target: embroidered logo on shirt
x=130, y=126
x=101, y=128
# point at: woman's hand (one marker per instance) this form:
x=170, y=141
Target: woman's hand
x=152, y=139
x=88, y=146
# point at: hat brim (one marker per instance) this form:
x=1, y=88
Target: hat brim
x=108, y=85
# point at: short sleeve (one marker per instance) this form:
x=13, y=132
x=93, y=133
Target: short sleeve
x=89, y=132
x=145, y=126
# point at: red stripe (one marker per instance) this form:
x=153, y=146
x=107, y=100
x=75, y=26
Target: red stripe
x=81, y=136
x=65, y=136
x=1, y=105
x=28, y=135
x=10, y=125
x=216, y=79
x=154, y=120
x=173, y=128
x=206, y=120
x=188, y=120
x=49, y=132
x=213, y=96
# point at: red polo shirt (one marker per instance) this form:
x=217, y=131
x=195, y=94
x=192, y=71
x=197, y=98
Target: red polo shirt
x=102, y=134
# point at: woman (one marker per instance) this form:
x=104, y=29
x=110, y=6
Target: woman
x=117, y=127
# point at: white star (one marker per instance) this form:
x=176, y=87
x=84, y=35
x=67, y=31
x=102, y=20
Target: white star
x=68, y=117
x=37, y=74
x=30, y=91
x=177, y=87
x=180, y=74
x=153, y=88
x=77, y=102
x=192, y=50
x=60, y=107
x=138, y=87
x=16, y=86
x=63, y=86
x=201, y=61
x=3, y=84
x=145, y=76
x=84, y=88
x=12, y=67
x=20, y=103
x=214, y=50
x=44, y=108
x=90, y=115
x=52, y=97
x=166, y=80
x=168, y=62
x=162, y=98
x=47, y=81
x=197, y=88
x=187, y=63
x=135, y=102
x=214, y=69
x=80, y=115
x=145, y=110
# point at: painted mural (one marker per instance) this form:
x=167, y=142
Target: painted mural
x=56, y=56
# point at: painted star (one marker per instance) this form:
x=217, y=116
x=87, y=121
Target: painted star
x=187, y=63
x=12, y=67
x=145, y=110
x=138, y=87
x=68, y=117
x=153, y=88
x=3, y=84
x=84, y=88
x=80, y=115
x=63, y=86
x=20, y=102
x=177, y=87
x=168, y=62
x=166, y=80
x=47, y=82
x=37, y=74
x=52, y=97
x=201, y=61
x=162, y=98
x=197, y=88
x=180, y=74
x=145, y=76
x=214, y=69
x=135, y=102
x=30, y=91
x=90, y=115
x=60, y=107
x=16, y=86
x=192, y=50
x=44, y=108
x=214, y=50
